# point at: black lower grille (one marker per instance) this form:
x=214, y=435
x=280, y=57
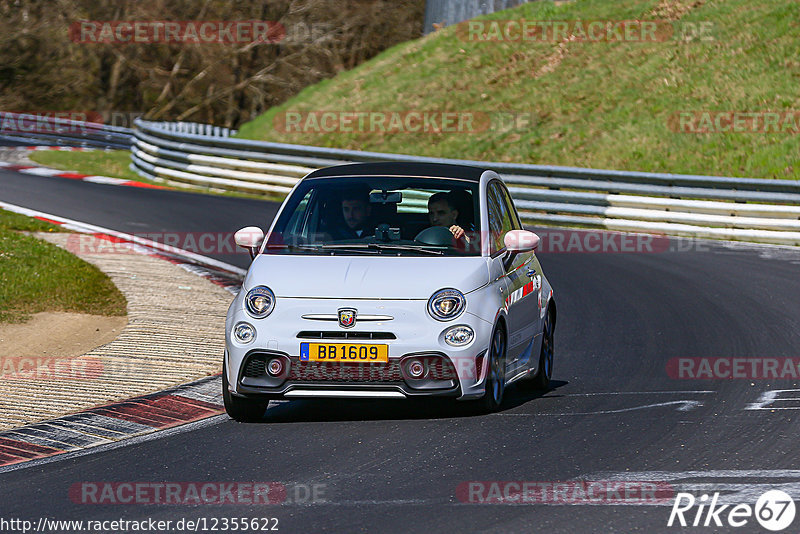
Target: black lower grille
x=255, y=367
x=345, y=372
x=436, y=368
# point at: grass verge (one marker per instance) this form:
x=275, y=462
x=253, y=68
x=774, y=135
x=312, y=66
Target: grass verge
x=36, y=276
x=114, y=163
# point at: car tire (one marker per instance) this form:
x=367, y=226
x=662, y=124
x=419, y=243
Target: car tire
x=542, y=379
x=238, y=408
x=495, y=374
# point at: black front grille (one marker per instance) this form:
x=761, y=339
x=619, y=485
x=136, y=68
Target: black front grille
x=256, y=366
x=344, y=334
x=437, y=368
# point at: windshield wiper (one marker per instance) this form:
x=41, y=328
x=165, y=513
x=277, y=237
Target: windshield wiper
x=382, y=246
x=367, y=248
x=290, y=247
x=356, y=247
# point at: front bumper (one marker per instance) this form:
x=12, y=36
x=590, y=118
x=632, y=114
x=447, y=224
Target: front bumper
x=347, y=380
x=456, y=372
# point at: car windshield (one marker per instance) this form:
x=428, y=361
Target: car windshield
x=374, y=215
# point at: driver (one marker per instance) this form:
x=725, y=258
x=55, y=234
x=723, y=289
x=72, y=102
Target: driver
x=442, y=211
x=356, y=211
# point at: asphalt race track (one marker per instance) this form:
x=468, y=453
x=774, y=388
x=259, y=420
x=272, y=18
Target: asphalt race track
x=616, y=413
x=155, y=214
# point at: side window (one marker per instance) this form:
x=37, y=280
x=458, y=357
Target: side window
x=516, y=224
x=296, y=227
x=499, y=218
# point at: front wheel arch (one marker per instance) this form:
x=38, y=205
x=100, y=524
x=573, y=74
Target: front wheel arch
x=487, y=403
x=552, y=306
x=541, y=380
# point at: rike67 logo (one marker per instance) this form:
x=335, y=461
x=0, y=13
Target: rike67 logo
x=774, y=510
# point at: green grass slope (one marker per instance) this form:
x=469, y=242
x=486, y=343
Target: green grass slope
x=589, y=104
x=36, y=276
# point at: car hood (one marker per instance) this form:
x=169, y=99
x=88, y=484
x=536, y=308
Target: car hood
x=375, y=277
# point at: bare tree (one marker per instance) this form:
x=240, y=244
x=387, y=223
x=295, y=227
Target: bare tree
x=44, y=67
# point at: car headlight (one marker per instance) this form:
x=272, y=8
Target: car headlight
x=244, y=333
x=459, y=336
x=446, y=304
x=259, y=302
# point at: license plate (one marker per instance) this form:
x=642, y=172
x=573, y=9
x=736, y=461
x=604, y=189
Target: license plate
x=344, y=352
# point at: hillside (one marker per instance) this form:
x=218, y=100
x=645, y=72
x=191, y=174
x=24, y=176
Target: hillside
x=673, y=103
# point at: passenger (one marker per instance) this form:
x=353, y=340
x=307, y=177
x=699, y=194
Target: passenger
x=462, y=200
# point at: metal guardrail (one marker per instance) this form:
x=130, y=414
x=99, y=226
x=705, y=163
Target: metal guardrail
x=22, y=128
x=699, y=206
x=201, y=155
x=196, y=129
x=449, y=12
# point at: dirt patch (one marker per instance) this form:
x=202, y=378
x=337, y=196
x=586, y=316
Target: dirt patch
x=674, y=9
x=174, y=333
x=58, y=335
x=555, y=59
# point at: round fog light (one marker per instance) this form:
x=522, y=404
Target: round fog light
x=275, y=367
x=244, y=333
x=458, y=336
x=416, y=369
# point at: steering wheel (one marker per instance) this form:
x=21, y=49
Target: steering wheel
x=435, y=235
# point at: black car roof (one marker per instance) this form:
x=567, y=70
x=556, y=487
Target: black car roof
x=388, y=168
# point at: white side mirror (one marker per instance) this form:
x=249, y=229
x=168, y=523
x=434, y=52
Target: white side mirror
x=521, y=241
x=250, y=237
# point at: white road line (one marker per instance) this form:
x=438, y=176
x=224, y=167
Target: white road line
x=668, y=476
x=683, y=406
x=42, y=171
x=768, y=397
x=373, y=502
x=626, y=393
x=104, y=180
x=697, y=482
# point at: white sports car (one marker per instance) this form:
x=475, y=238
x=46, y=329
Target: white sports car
x=389, y=280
